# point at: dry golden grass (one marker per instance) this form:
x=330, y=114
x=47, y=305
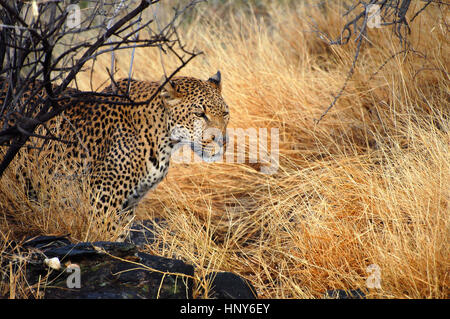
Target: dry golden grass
x=368, y=185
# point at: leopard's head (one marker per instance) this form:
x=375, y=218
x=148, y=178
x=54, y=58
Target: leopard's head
x=198, y=114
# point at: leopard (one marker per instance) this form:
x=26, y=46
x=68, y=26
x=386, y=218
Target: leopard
x=125, y=141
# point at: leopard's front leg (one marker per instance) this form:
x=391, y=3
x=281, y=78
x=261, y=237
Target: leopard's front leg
x=109, y=200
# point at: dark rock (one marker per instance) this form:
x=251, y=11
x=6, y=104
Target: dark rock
x=142, y=232
x=345, y=294
x=38, y=242
x=101, y=270
x=143, y=277
x=95, y=250
x=42, y=242
x=226, y=285
x=111, y=270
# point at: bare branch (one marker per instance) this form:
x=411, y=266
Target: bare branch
x=392, y=13
x=37, y=52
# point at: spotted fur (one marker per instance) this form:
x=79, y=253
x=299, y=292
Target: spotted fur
x=126, y=141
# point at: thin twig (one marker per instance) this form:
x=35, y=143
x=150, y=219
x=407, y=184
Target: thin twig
x=393, y=13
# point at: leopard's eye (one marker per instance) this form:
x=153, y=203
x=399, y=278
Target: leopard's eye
x=200, y=114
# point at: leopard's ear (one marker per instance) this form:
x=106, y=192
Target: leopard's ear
x=169, y=93
x=216, y=80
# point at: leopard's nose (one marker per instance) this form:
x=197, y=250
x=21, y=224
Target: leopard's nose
x=214, y=136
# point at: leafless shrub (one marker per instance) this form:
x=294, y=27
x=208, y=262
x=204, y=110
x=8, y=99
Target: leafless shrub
x=375, y=13
x=44, y=44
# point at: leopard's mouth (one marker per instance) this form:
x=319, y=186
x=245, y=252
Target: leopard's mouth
x=210, y=152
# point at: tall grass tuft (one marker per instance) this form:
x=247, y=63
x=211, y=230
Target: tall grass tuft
x=367, y=185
